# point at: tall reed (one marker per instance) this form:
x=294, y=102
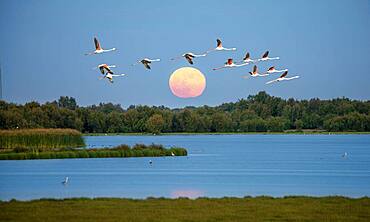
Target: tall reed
x=139, y=150
x=40, y=139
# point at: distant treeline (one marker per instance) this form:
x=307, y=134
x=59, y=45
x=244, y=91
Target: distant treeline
x=258, y=113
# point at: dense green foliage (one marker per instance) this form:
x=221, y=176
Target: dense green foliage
x=258, y=113
x=138, y=150
x=182, y=209
x=40, y=139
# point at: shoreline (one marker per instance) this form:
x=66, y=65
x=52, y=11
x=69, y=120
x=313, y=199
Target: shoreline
x=230, y=133
x=187, y=198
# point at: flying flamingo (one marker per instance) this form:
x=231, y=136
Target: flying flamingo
x=104, y=67
x=230, y=64
x=107, y=72
x=220, y=47
x=255, y=73
x=282, y=78
x=266, y=57
x=190, y=56
x=146, y=62
x=99, y=49
x=273, y=70
x=247, y=58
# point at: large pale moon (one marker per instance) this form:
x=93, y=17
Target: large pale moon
x=187, y=82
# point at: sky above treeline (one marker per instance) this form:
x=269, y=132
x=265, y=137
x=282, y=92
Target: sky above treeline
x=42, y=46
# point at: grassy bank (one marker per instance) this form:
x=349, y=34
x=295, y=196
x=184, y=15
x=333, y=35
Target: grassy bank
x=201, y=209
x=138, y=150
x=40, y=139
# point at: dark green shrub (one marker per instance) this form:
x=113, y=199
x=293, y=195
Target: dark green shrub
x=139, y=146
x=92, y=154
x=122, y=147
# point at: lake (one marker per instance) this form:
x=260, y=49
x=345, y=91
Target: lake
x=217, y=166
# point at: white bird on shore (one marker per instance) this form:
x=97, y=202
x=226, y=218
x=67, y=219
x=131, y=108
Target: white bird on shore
x=273, y=70
x=283, y=78
x=98, y=48
x=266, y=57
x=255, y=73
x=230, y=64
x=172, y=154
x=189, y=56
x=219, y=47
x=146, y=62
x=65, y=181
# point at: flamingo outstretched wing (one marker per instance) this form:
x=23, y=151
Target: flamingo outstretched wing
x=97, y=44
x=284, y=74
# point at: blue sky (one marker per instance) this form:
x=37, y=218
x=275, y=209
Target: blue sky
x=42, y=46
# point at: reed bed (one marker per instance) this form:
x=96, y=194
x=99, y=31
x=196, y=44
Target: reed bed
x=40, y=139
x=138, y=150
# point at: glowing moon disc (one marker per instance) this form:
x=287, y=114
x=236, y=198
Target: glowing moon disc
x=187, y=82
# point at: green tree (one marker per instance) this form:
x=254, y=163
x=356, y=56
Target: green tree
x=221, y=122
x=298, y=124
x=115, y=122
x=67, y=102
x=155, y=124
x=277, y=124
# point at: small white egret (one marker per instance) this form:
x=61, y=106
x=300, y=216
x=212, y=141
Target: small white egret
x=65, y=182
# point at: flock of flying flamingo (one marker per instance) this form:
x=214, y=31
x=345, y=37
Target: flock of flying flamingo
x=107, y=72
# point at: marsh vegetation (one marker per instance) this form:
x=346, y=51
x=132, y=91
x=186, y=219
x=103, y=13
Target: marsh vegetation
x=183, y=209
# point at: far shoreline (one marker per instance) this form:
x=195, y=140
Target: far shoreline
x=230, y=133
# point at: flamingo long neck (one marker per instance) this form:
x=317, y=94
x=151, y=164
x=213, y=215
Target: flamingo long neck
x=219, y=68
x=230, y=49
x=282, y=70
x=202, y=55
x=294, y=77
x=244, y=64
x=108, y=50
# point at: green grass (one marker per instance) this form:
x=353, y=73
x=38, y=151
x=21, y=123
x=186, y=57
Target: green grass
x=138, y=150
x=201, y=209
x=40, y=139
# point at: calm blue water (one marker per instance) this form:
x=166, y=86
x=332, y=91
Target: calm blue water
x=217, y=166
